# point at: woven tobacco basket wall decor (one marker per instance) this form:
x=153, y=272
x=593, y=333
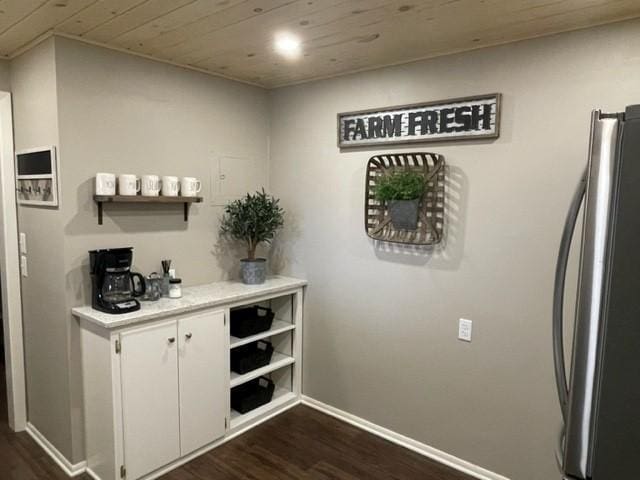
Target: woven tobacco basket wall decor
x=377, y=221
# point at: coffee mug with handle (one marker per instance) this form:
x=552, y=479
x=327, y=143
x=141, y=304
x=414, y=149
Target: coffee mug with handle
x=150, y=185
x=128, y=184
x=105, y=184
x=190, y=186
x=170, y=186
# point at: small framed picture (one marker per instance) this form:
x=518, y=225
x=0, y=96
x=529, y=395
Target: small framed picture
x=37, y=177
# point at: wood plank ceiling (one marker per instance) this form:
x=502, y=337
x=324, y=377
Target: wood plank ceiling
x=234, y=38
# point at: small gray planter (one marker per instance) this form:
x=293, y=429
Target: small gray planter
x=404, y=213
x=253, y=272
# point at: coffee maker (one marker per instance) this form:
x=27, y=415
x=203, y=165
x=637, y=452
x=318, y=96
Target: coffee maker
x=113, y=286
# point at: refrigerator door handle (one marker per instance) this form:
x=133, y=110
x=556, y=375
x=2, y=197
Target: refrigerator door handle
x=560, y=448
x=558, y=294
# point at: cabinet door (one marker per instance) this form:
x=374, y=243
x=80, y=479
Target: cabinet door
x=150, y=404
x=203, y=361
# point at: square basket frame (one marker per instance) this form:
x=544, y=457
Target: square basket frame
x=377, y=222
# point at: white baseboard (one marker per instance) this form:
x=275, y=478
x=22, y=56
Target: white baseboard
x=90, y=473
x=72, y=470
x=406, y=442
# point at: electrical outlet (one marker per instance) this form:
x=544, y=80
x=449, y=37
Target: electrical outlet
x=465, y=328
x=23, y=266
x=23, y=243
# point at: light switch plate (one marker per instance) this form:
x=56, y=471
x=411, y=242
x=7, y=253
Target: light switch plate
x=465, y=328
x=23, y=266
x=23, y=243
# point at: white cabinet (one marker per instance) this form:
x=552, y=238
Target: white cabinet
x=173, y=379
x=150, y=402
x=203, y=377
x=157, y=389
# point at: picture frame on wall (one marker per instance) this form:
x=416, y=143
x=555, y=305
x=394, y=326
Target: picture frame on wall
x=37, y=177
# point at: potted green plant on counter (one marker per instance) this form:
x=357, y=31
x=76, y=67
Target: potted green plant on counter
x=401, y=190
x=253, y=219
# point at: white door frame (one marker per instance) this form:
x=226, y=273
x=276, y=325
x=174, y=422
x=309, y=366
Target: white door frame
x=10, y=273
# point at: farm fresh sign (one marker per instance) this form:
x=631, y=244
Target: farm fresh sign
x=454, y=119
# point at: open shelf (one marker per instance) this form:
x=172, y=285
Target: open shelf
x=283, y=370
x=186, y=201
x=277, y=327
x=281, y=396
x=278, y=360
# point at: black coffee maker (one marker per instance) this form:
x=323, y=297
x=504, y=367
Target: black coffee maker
x=113, y=285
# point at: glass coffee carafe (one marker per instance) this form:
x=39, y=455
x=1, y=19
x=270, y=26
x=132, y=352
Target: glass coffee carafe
x=120, y=285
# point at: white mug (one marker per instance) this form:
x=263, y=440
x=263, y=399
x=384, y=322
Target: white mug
x=105, y=184
x=170, y=186
x=190, y=186
x=150, y=185
x=128, y=184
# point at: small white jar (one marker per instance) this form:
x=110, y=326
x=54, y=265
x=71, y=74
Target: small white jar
x=175, y=288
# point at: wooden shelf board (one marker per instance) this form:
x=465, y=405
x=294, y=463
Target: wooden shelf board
x=277, y=327
x=278, y=360
x=143, y=199
x=185, y=201
x=280, y=397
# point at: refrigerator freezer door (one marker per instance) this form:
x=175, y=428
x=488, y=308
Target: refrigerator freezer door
x=617, y=434
x=605, y=130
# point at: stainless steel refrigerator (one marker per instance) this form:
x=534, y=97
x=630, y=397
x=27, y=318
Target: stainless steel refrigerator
x=600, y=394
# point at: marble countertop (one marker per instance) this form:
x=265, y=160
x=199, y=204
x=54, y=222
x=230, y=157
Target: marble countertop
x=193, y=298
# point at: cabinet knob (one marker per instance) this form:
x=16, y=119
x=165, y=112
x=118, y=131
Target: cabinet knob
x=189, y=335
x=172, y=339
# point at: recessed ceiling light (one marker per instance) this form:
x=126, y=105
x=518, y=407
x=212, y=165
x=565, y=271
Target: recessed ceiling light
x=288, y=45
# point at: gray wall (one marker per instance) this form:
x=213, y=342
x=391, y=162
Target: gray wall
x=381, y=325
x=123, y=114
x=5, y=83
x=45, y=317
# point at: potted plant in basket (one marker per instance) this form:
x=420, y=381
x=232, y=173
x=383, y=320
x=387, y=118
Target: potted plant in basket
x=401, y=190
x=253, y=219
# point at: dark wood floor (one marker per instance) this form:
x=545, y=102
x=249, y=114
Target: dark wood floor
x=301, y=444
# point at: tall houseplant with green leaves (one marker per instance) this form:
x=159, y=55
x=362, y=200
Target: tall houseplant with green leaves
x=253, y=219
x=401, y=191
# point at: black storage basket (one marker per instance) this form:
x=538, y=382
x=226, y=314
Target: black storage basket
x=249, y=357
x=252, y=394
x=250, y=321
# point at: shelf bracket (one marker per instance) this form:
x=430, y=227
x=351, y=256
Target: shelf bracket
x=99, y=213
x=186, y=211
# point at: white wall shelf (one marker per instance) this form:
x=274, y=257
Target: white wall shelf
x=277, y=328
x=278, y=361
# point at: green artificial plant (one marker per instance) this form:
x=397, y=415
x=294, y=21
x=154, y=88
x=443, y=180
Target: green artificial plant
x=400, y=185
x=253, y=219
